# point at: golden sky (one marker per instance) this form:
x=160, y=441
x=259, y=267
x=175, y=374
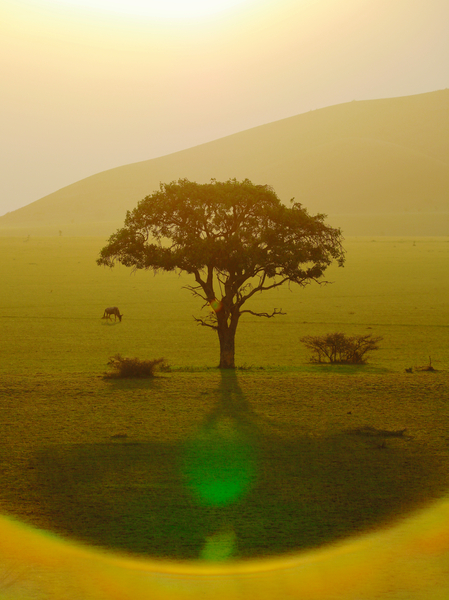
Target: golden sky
x=89, y=85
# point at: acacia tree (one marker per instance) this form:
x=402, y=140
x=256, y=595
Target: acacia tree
x=234, y=237
x=340, y=348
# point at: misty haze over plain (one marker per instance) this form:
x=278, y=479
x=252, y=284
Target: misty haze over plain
x=89, y=91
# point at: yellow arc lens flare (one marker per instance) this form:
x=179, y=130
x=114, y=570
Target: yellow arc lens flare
x=410, y=560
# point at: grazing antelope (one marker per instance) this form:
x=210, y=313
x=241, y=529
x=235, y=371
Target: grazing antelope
x=112, y=310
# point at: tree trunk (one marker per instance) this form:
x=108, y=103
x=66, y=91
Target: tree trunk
x=226, y=335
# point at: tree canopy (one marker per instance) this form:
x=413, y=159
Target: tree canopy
x=234, y=237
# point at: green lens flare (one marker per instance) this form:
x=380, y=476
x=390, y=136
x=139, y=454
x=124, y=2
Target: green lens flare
x=218, y=464
x=219, y=546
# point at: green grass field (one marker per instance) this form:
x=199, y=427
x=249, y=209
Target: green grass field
x=149, y=466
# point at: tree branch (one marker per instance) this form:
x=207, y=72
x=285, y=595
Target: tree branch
x=276, y=311
x=207, y=286
x=261, y=288
x=194, y=291
x=204, y=323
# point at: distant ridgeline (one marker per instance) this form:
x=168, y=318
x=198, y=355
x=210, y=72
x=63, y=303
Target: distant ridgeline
x=375, y=167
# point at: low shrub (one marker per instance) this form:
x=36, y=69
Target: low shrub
x=339, y=348
x=124, y=367
x=426, y=367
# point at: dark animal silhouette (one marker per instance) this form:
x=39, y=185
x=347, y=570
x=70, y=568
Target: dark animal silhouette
x=112, y=310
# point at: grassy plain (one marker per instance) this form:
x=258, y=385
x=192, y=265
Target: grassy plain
x=102, y=460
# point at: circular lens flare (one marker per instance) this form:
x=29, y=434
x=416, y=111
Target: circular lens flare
x=216, y=305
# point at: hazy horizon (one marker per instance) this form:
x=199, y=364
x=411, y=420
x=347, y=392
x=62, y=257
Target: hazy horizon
x=90, y=89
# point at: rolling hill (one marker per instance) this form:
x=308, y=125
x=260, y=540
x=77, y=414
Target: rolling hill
x=376, y=167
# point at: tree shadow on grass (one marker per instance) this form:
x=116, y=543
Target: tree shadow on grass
x=264, y=493
x=303, y=493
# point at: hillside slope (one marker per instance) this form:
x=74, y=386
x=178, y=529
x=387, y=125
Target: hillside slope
x=377, y=166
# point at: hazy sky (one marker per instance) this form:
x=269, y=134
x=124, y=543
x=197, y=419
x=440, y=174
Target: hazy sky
x=89, y=85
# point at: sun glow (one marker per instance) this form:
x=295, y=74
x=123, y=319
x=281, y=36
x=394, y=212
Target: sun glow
x=163, y=9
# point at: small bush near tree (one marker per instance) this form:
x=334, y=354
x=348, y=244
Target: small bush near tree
x=340, y=348
x=124, y=367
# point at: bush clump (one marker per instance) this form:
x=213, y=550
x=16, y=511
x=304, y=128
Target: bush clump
x=124, y=367
x=339, y=348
